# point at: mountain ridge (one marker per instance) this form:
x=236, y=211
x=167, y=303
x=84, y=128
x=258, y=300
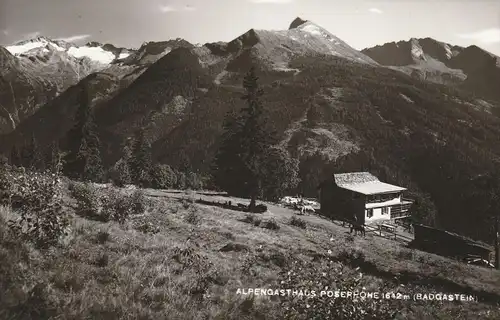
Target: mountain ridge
x=471, y=68
x=46, y=68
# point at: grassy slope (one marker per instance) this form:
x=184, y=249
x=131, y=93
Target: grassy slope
x=116, y=272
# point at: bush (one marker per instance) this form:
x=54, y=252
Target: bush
x=138, y=201
x=163, y=177
x=116, y=207
x=5, y=185
x=329, y=275
x=120, y=173
x=147, y=227
x=192, y=216
x=271, y=224
x=298, y=222
x=108, y=204
x=260, y=208
x=188, y=200
x=194, y=181
x=181, y=182
x=102, y=236
x=88, y=201
x=249, y=218
x=38, y=199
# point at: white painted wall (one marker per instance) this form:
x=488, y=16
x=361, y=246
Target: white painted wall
x=377, y=215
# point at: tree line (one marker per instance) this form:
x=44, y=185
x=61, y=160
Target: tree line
x=81, y=158
x=248, y=162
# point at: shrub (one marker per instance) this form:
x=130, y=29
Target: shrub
x=271, y=224
x=181, y=182
x=188, y=200
x=102, y=237
x=116, y=207
x=147, y=227
x=88, y=202
x=108, y=204
x=163, y=177
x=249, y=218
x=102, y=260
x=38, y=199
x=329, y=275
x=298, y=222
x=260, y=208
x=36, y=304
x=139, y=202
x=192, y=216
x=120, y=173
x=352, y=255
x=5, y=185
x=194, y=181
x=349, y=238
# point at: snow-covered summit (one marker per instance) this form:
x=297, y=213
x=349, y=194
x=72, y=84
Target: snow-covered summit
x=26, y=46
x=42, y=46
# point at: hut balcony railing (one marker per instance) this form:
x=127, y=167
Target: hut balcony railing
x=401, y=210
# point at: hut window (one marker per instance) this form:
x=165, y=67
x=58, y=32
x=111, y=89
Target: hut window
x=369, y=213
x=385, y=210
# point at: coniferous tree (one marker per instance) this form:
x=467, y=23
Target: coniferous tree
x=54, y=157
x=120, y=173
x=184, y=163
x=15, y=156
x=163, y=177
x=25, y=155
x=282, y=174
x=92, y=169
x=31, y=156
x=73, y=162
x=240, y=165
x=83, y=159
x=140, y=162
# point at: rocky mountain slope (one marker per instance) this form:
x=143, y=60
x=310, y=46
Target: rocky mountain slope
x=33, y=72
x=471, y=68
x=334, y=107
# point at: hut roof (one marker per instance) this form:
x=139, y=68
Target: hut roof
x=364, y=182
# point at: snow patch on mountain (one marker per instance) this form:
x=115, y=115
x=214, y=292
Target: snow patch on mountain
x=123, y=55
x=94, y=53
x=26, y=46
x=449, y=54
x=312, y=29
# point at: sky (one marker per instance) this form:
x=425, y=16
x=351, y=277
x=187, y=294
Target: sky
x=360, y=23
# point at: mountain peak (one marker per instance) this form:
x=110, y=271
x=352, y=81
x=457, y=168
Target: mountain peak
x=93, y=44
x=297, y=22
x=32, y=40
